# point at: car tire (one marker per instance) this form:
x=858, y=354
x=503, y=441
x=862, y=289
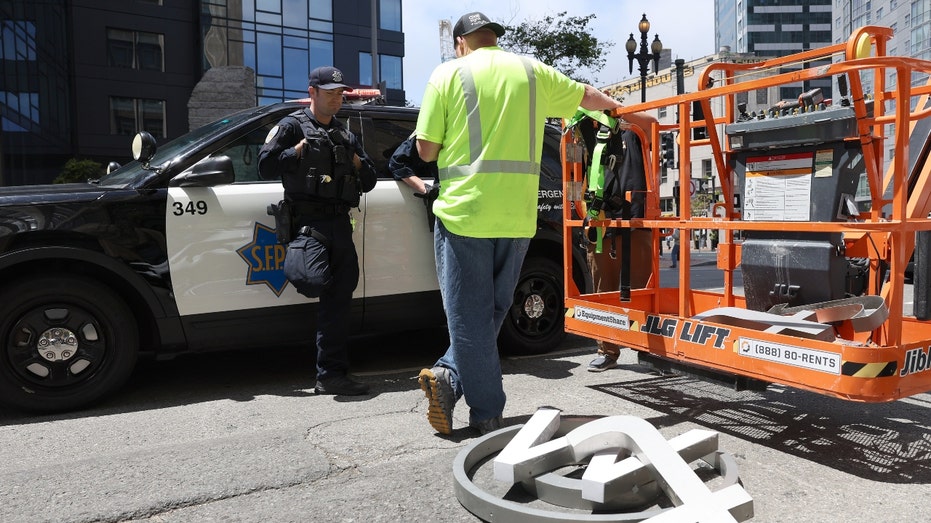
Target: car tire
x=535, y=323
x=66, y=342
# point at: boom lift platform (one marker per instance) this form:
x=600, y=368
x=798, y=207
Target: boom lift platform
x=822, y=302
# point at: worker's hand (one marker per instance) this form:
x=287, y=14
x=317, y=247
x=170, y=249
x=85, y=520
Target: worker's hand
x=431, y=192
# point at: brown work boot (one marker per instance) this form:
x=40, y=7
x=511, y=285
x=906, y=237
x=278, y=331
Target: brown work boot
x=437, y=386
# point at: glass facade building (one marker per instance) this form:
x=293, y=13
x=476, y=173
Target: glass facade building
x=34, y=70
x=775, y=28
x=81, y=77
x=910, y=21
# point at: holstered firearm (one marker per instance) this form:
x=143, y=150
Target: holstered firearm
x=284, y=230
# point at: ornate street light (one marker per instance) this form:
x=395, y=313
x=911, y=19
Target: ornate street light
x=645, y=55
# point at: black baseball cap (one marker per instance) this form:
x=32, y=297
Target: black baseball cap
x=473, y=22
x=327, y=78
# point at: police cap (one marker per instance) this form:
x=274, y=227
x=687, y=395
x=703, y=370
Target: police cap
x=327, y=78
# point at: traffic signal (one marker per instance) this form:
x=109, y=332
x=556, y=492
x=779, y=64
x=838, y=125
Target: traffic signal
x=667, y=155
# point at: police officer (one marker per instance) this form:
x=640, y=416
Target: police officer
x=324, y=170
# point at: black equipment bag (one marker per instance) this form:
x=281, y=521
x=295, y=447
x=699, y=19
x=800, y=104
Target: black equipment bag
x=307, y=262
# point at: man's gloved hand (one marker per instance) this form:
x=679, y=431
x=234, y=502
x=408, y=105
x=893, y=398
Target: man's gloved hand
x=433, y=191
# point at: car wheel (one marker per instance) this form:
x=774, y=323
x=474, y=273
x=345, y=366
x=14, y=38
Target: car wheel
x=534, y=325
x=67, y=341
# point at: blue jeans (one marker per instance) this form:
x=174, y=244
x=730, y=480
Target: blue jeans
x=477, y=278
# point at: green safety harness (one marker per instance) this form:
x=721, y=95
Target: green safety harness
x=596, y=170
x=608, y=127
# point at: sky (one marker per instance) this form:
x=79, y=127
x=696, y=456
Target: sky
x=685, y=27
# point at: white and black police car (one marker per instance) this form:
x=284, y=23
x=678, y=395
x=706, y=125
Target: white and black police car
x=175, y=252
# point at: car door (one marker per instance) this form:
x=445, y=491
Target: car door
x=223, y=252
x=395, y=224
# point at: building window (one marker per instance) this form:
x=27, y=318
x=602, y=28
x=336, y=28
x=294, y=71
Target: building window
x=762, y=97
x=17, y=45
x=365, y=69
x=135, y=50
x=389, y=66
x=268, y=53
x=390, y=15
x=863, y=189
x=321, y=53
x=21, y=107
x=661, y=112
x=321, y=10
x=391, y=71
x=131, y=115
x=18, y=40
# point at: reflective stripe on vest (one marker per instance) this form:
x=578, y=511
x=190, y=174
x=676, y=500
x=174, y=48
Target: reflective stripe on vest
x=474, y=122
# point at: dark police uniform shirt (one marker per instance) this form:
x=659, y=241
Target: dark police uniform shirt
x=278, y=157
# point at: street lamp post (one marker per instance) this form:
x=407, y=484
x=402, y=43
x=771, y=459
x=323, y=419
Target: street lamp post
x=645, y=55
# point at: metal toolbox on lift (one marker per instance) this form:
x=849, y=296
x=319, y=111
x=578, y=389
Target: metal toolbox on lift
x=800, y=183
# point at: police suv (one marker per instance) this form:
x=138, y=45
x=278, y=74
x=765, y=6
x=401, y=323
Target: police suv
x=175, y=252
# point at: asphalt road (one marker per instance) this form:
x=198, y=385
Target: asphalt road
x=241, y=437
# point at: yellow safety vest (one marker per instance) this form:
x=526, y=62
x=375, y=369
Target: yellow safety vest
x=488, y=111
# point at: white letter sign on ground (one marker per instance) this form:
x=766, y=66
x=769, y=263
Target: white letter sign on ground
x=532, y=453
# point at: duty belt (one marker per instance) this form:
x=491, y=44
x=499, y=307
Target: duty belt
x=313, y=210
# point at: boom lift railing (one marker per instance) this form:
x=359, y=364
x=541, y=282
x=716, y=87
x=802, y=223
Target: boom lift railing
x=858, y=346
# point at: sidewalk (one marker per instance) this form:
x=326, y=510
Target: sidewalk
x=699, y=257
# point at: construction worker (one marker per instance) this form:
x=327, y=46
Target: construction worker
x=486, y=210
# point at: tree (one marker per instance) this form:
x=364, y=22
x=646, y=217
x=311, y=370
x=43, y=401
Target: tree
x=79, y=171
x=564, y=42
x=701, y=204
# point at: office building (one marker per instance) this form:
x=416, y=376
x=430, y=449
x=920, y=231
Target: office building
x=81, y=77
x=769, y=28
x=697, y=179
x=910, y=21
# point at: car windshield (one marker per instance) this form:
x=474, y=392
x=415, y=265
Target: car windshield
x=165, y=152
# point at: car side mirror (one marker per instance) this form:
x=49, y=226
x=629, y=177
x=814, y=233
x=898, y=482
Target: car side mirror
x=209, y=172
x=143, y=147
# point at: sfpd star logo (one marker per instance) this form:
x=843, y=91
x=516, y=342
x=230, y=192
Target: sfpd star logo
x=265, y=258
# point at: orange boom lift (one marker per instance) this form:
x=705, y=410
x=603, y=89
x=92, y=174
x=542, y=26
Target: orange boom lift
x=799, y=321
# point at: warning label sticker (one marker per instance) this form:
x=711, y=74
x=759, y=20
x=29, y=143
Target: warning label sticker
x=778, y=187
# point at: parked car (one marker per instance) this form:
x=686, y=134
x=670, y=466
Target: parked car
x=175, y=252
